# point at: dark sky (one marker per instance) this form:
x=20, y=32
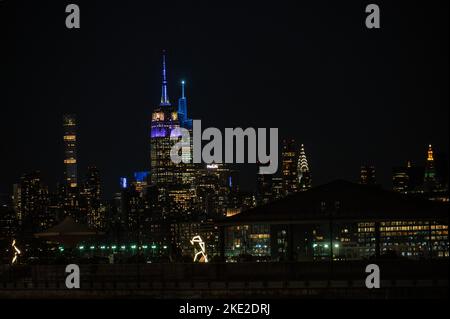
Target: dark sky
x=351, y=95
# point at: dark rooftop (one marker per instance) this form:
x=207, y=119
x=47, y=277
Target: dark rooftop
x=343, y=201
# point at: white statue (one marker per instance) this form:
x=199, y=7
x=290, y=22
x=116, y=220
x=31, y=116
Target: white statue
x=201, y=243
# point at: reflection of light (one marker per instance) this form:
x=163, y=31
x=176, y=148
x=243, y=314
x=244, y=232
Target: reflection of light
x=212, y=166
x=17, y=252
x=197, y=239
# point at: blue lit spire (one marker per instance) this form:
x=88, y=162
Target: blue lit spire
x=182, y=89
x=182, y=104
x=164, y=96
x=182, y=109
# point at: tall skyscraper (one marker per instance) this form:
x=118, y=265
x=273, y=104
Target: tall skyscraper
x=90, y=196
x=182, y=109
x=277, y=188
x=214, y=184
x=188, y=169
x=289, y=166
x=165, y=121
x=400, y=178
x=263, y=188
x=367, y=175
x=70, y=150
x=430, y=180
x=442, y=168
x=31, y=201
x=304, y=174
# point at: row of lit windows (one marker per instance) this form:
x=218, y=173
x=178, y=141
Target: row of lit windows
x=404, y=228
x=259, y=236
x=159, y=116
x=70, y=138
x=70, y=161
x=366, y=230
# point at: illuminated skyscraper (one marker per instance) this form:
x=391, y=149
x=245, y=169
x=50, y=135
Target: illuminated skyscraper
x=304, y=174
x=182, y=109
x=400, y=178
x=187, y=168
x=277, y=188
x=31, y=201
x=430, y=180
x=213, y=186
x=70, y=150
x=289, y=166
x=165, y=121
x=140, y=182
x=367, y=175
x=263, y=188
x=90, y=197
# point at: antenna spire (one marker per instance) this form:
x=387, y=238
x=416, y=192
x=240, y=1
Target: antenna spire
x=164, y=96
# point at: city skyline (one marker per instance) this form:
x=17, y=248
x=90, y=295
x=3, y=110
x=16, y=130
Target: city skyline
x=349, y=105
x=224, y=151
x=71, y=150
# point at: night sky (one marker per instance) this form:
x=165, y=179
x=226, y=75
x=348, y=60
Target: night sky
x=351, y=95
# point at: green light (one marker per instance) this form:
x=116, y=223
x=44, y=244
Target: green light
x=102, y=247
x=336, y=245
x=61, y=248
x=153, y=247
x=314, y=245
x=122, y=247
x=81, y=247
x=113, y=247
x=133, y=246
x=92, y=247
x=326, y=246
x=145, y=246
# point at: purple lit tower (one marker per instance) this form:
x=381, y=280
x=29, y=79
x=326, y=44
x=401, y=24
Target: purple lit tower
x=165, y=119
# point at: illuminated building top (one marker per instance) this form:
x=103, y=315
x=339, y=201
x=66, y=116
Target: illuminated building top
x=430, y=153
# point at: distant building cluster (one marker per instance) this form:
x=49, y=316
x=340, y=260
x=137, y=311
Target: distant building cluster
x=155, y=213
x=429, y=180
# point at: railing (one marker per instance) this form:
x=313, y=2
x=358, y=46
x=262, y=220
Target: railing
x=219, y=279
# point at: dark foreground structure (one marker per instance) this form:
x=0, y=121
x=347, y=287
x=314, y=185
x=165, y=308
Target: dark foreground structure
x=312, y=244
x=340, y=221
x=399, y=279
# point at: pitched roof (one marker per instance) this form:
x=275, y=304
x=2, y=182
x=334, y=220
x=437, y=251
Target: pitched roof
x=68, y=227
